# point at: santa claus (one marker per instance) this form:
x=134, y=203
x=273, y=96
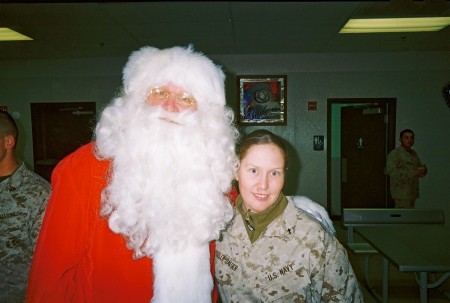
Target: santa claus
x=133, y=213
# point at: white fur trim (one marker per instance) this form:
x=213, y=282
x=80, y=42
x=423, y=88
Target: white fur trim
x=314, y=209
x=183, y=276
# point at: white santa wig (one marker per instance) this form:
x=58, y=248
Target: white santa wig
x=150, y=67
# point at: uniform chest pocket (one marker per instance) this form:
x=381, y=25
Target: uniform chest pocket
x=294, y=286
x=226, y=274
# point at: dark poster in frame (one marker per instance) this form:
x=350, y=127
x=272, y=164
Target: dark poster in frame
x=262, y=100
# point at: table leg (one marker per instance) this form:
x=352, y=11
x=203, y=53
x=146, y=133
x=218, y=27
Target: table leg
x=423, y=279
x=385, y=280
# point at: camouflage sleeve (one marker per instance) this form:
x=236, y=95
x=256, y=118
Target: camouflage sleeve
x=314, y=209
x=339, y=280
x=37, y=215
x=399, y=167
x=26, y=196
x=390, y=163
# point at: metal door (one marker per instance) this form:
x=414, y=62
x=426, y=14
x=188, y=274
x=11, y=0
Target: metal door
x=363, y=156
x=58, y=130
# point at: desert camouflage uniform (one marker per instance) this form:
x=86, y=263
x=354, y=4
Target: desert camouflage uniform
x=23, y=198
x=401, y=167
x=294, y=260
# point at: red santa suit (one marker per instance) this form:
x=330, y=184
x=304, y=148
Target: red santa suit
x=77, y=257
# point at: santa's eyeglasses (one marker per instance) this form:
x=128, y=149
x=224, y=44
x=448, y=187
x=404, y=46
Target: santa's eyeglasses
x=163, y=94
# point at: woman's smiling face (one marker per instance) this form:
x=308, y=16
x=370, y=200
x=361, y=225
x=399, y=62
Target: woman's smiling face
x=261, y=176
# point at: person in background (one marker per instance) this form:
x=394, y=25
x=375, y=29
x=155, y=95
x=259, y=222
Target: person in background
x=133, y=213
x=404, y=169
x=23, y=199
x=273, y=251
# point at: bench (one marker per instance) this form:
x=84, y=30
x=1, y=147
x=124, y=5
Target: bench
x=354, y=217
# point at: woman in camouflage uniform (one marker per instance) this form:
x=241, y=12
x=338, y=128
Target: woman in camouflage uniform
x=273, y=251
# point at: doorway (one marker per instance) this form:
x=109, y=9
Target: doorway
x=360, y=134
x=59, y=129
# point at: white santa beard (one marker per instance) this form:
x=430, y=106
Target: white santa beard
x=166, y=196
x=162, y=186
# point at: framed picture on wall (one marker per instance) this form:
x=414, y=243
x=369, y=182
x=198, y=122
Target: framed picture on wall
x=262, y=100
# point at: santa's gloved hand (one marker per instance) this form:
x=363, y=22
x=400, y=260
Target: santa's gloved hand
x=316, y=210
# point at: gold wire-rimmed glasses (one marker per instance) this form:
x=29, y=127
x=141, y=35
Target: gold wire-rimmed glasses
x=163, y=94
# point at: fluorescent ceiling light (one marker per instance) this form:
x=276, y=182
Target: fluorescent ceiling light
x=7, y=34
x=391, y=25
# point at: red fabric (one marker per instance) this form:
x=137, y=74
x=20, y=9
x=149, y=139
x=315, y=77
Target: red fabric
x=215, y=293
x=233, y=195
x=77, y=257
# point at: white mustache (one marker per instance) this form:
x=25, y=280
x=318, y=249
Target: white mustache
x=187, y=117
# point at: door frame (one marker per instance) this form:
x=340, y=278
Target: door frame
x=390, y=104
